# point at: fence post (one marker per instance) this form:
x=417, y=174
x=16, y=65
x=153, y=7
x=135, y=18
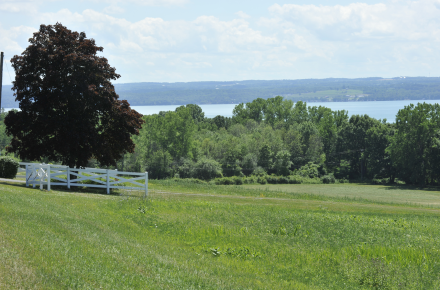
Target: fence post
x=48, y=177
x=27, y=175
x=108, y=183
x=146, y=184
x=33, y=169
x=68, y=177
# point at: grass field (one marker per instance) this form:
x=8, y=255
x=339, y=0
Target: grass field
x=219, y=237
x=374, y=193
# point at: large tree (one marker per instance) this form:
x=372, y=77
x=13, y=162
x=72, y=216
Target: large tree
x=69, y=110
x=414, y=151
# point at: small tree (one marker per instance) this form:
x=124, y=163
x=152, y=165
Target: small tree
x=69, y=110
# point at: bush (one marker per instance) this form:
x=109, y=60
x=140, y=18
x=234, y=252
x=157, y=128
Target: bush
x=189, y=181
x=309, y=170
x=272, y=179
x=298, y=179
x=328, y=179
x=250, y=180
x=283, y=180
x=224, y=181
x=381, y=180
x=237, y=180
x=261, y=180
x=8, y=167
x=295, y=179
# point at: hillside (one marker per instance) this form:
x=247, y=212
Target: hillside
x=192, y=236
x=309, y=90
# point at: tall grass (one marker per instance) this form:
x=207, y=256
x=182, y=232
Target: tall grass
x=62, y=239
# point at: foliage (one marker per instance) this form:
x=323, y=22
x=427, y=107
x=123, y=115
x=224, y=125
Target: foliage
x=309, y=142
x=8, y=167
x=259, y=171
x=207, y=169
x=411, y=148
x=328, y=179
x=309, y=170
x=69, y=110
x=282, y=162
x=343, y=170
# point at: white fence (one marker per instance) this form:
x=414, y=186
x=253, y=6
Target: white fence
x=46, y=174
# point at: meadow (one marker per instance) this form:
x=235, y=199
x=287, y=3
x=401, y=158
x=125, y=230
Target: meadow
x=186, y=236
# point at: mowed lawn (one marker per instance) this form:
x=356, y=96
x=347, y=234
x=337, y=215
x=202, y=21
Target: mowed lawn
x=376, y=193
x=82, y=240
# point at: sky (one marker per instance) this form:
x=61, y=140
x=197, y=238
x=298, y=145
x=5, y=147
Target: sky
x=204, y=40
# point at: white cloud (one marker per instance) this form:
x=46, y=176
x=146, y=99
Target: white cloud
x=243, y=15
x=415, y=20
x=146, y=2
x=16, y=7
x=14, y=38
x=294, y=41
x=113, y=9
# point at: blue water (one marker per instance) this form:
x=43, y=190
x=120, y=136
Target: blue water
x=379, y=110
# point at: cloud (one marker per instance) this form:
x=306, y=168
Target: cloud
x=10, y=6
x=293, y=41
x=146, y=2
x=399, y=20
x=243, y=15
x=14, y=39
x=113, y=9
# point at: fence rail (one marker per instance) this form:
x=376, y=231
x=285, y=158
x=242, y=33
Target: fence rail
x=46, y=174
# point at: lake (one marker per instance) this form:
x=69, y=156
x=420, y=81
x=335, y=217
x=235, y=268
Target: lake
x=379, y=110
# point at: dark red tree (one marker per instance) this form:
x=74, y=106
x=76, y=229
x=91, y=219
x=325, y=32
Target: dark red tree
x=69, y=110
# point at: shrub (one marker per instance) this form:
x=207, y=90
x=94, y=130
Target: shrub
x=309, y=170
x=298, y=179
x=8, y=167
x=261, y=180
x=328, y=179
x=381, y=180
x=250, y=180
x=283, y=180
x=224, y=181
x=237, y=180
x=272, y=179
x=189, y=181
x=295, y=179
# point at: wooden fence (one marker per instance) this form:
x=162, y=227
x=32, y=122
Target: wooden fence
x=46, y=174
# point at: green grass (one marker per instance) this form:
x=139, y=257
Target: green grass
x=85, y=240
x=375, y=193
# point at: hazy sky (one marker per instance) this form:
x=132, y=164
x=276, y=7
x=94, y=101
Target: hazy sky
x=202, y=40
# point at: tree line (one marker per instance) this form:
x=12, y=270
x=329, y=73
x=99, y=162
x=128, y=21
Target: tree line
x=275, y=136
x=308, y=90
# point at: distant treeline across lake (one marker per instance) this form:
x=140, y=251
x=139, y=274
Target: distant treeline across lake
x=235, y=92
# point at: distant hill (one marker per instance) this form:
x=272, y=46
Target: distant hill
x=309, y=90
